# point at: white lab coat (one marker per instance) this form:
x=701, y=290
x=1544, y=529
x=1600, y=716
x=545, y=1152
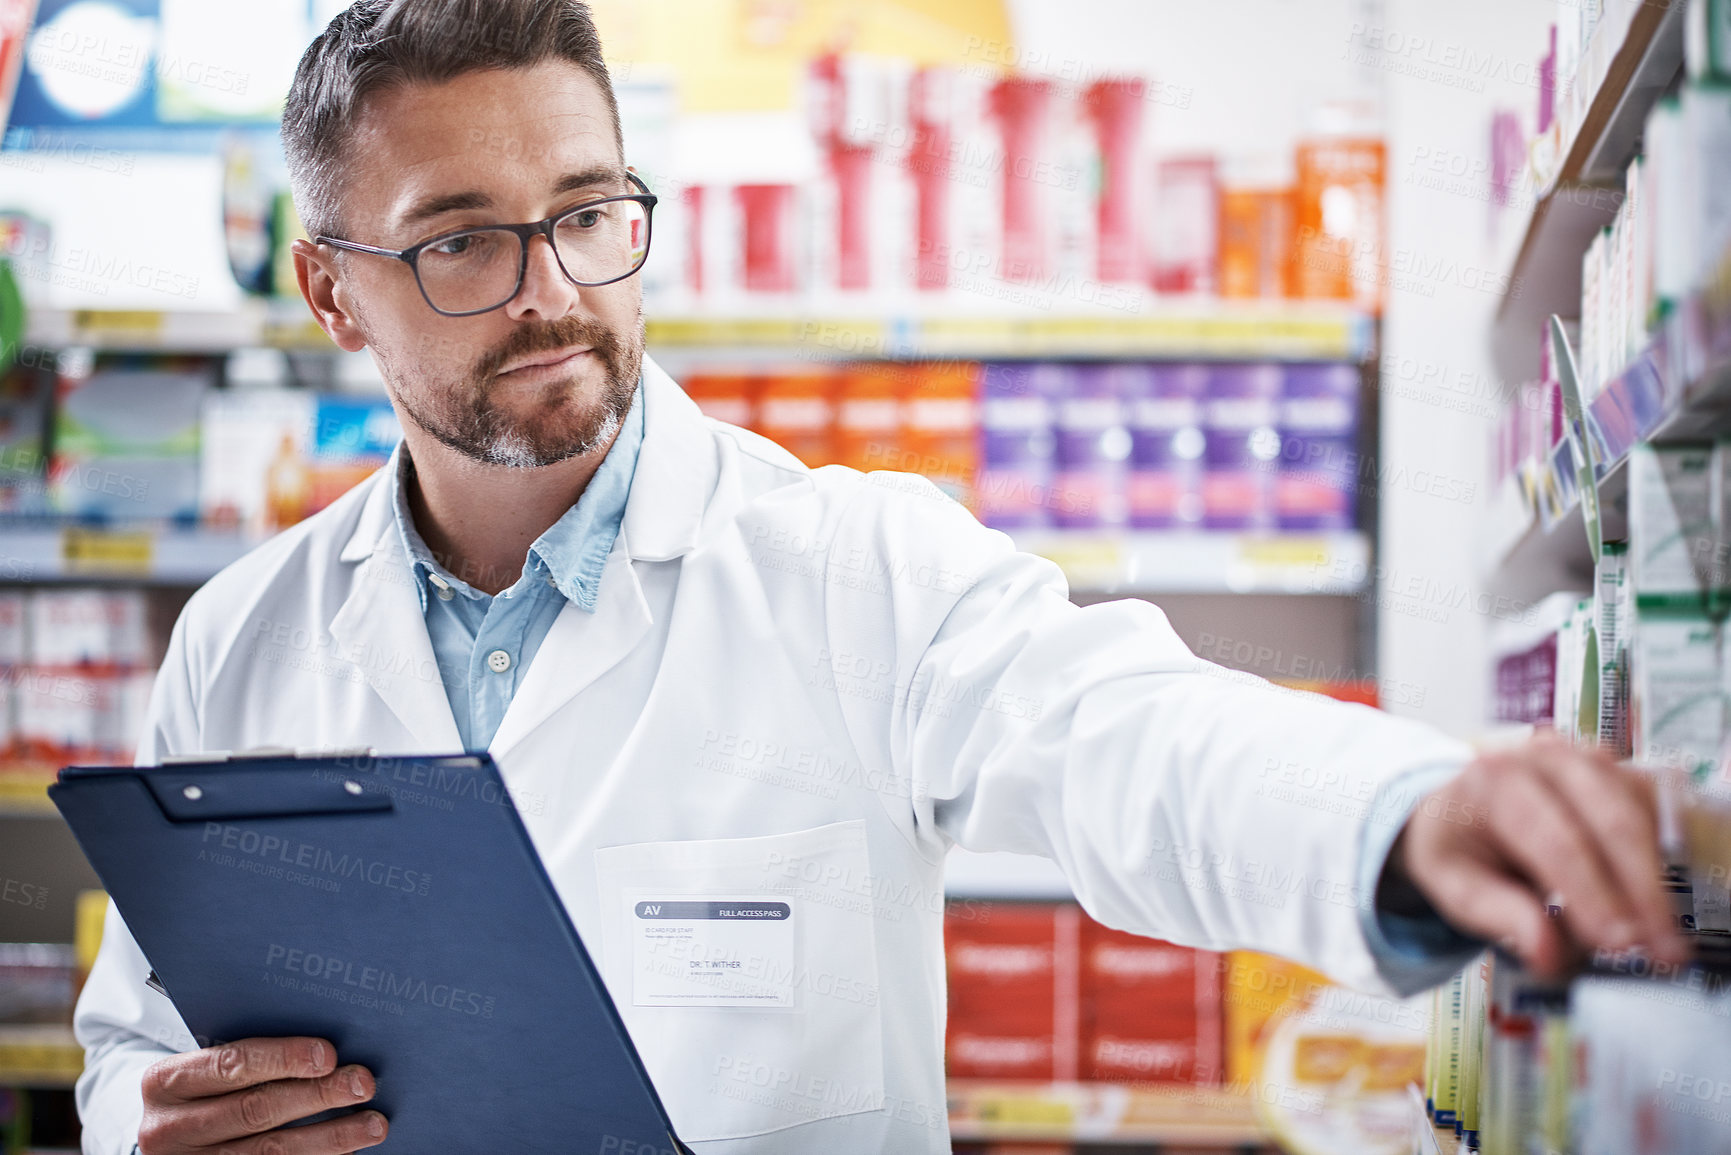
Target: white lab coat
x=809, y=683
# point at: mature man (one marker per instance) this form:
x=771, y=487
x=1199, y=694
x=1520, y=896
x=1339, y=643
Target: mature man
x=698, y=661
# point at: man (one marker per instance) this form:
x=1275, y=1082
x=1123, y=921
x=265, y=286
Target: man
x=706, y=669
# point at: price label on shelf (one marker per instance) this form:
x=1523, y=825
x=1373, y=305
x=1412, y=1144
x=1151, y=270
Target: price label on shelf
x=102, y=551
x=1288, y=553
x=100, y=325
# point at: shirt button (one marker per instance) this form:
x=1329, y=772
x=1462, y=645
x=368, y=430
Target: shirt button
x=498, y=661
x=446, y=593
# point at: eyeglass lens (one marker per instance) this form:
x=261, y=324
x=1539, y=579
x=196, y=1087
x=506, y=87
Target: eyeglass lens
x=477, y=269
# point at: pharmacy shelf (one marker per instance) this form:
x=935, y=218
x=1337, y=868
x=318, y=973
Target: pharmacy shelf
x=65, y=552
x=39, y=1056
x=1093, y=561
x=283, y=324
x=1584, y=194
x=1200, y=330
x=1101, y=1113
x=1208, y=329
x=24, y=790
x=1678, y=389
x=1167, y=562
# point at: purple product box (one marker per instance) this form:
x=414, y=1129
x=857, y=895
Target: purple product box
x=1163, y=412
x=1091, y=447
x=1241, y=446
x=1319, y=462
x=1016, y=446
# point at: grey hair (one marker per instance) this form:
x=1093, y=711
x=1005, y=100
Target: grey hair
x=377, y=44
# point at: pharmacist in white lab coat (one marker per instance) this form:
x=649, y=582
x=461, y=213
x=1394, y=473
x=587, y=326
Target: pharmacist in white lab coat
x=704, y=667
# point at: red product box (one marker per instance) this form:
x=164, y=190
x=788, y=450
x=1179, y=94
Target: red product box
x=1151, y=1010
x=1013, y=992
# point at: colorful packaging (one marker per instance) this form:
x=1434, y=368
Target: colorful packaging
x=97, y=629
x=1319, y=461
x=1163, y=412
x=940, y=433
x=868, y=425
x=1090, y=448
x=1151, y=1011
x=1116, y=106
x=253, y=459
x=1677, y=703
x=1185, y=234
x=1242, y=447
x=1613, y=615
x=352, y=438
x=13, y=650
x=126, y=443
x=1259, y=989
x=1025, y=109
x=1013, y=993
x=1337, y=251
x=1255, y=235
x=796, y=410
x=26, y=397
x=66, y=715
x=1671, y=538
x=1017, y=449
x=769, y=254
x=727, y=397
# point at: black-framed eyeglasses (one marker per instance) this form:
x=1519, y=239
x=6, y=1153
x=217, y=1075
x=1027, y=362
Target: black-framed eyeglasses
x=477, y=270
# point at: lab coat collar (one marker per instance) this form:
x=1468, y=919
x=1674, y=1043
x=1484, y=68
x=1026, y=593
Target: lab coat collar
x=676, y=474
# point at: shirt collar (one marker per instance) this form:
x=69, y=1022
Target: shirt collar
x=573, y=550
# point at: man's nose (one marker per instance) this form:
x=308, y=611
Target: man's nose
x=547, y=294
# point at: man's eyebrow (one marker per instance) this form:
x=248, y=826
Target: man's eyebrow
x=599, y=176
x=595, y=177
x=433, y=206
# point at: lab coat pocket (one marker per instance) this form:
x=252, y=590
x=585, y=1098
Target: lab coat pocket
x=746, y=971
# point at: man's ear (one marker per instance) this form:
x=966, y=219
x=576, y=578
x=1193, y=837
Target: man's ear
x=320, y=281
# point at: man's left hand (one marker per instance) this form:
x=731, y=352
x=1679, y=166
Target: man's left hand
x=1492, y=848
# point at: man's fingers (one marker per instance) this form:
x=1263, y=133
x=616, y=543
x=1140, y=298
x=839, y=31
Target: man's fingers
x=1541, y=835
x=268, y=1106
x=332, y=1137
x=1483, y=901
x=1620, y=809
x=233, y=1066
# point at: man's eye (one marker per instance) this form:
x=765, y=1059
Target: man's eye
x=453, y=246
x=587, y=219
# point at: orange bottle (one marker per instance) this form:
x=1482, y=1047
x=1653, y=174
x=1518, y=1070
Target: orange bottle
x=729, y=397
x=1255, y=237
x=942, y=426
x=288, y=486
x=868, y=421
x=796, y=409
x=1339, y=249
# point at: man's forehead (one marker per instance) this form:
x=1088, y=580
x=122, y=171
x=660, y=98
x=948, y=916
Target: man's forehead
x=497, y=134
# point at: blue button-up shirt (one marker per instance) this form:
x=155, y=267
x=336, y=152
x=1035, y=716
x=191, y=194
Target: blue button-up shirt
x=483, y=643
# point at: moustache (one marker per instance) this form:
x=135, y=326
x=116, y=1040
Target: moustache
x=548, y=336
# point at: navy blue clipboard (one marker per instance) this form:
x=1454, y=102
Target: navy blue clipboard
x=394, y=906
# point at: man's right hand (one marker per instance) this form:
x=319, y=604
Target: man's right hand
x=236, y=1097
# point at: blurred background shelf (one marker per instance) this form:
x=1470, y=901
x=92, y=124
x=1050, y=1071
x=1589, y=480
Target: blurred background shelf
x=1179, y=329
x=38, y=551
x=1102, y=1113
x=1149, y=562
x=24, y=790
x=1094, y=560
x=39, y=1056
x=1586, y=190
